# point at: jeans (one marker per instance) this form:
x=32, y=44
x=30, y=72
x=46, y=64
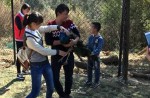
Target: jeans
x=36, y=74
x=96, y=65
x=68, y=70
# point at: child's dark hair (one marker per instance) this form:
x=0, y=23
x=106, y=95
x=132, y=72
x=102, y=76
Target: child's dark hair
x=35, y=17
x=61, y=8
x=25, y=6
x=96, y=25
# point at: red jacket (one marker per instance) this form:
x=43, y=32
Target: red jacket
x=19, y=33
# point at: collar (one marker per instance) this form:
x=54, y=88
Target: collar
x=96, y=35
x=34, y=32
x=21, y=14
x=31, y=31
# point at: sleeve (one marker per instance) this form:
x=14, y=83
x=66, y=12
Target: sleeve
x=49, y=38
x=74, y=29
x=48, y=28
x=18, y=22
x=98, y=48
x=32, y=44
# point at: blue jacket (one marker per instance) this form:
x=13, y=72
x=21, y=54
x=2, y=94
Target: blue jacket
x=95, y=44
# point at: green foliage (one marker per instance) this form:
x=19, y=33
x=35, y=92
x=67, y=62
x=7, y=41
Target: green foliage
x=5, y=18
x=83, y=12
x=36, y=4
x=8, y=2
x=111, y=19
x=140, y=22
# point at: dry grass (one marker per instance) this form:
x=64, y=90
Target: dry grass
x=5, y=17
x=111, y=87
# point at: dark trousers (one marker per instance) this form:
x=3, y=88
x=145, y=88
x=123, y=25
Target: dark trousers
x=19, y=45
x=96, y=65
x=68, y=70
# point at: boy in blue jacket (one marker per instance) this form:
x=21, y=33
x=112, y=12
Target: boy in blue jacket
x=94, y=44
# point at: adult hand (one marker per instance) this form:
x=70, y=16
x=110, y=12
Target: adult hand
x=65, y=30
x=62, y=53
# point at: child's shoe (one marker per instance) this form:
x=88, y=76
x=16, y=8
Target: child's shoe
x=20, y=77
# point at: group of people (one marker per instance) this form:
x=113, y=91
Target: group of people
x=29, y=25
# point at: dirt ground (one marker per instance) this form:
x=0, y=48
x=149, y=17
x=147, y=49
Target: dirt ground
x=110, y=87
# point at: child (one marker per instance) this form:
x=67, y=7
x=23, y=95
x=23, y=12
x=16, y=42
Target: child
x=19, y=32
x=95, y=43
x=39, y=60
x=52, y=39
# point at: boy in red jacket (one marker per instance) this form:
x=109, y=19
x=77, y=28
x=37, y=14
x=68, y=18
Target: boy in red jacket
x=19, y=32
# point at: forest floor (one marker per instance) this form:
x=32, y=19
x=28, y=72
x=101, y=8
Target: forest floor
x=110, y=86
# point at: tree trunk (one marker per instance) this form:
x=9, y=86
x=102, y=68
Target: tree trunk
x=112, y=60
x=81, y=64
x=140, y=75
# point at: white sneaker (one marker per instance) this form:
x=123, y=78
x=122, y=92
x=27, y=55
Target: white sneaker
x=20, y=77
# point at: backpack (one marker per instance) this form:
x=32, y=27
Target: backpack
x=24, y=53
